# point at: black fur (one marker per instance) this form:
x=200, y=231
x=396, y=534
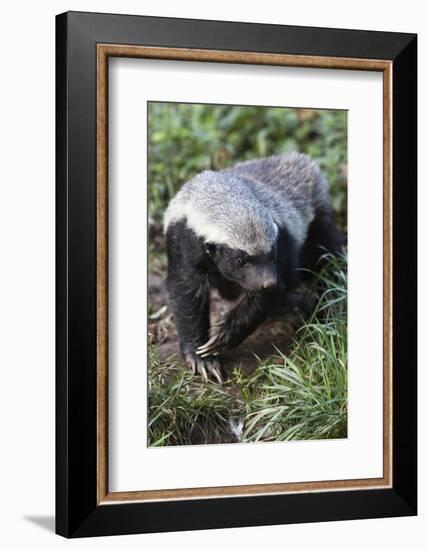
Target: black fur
x=188, y=286
x=194, y=268
x=323, y=236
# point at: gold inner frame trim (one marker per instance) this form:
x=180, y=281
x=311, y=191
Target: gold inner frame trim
x=104, y=51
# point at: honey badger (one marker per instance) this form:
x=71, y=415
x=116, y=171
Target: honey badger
x=245, y=231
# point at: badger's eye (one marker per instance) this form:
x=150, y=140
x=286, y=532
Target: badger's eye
x=241, y=261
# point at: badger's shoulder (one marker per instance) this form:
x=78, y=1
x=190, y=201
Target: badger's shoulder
x=222, y=208
x=204, y=195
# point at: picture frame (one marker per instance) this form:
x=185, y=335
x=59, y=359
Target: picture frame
x=84, y=44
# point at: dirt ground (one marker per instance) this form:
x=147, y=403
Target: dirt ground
x=275, y=332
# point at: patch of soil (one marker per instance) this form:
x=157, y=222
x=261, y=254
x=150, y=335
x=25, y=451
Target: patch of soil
x=275, y=332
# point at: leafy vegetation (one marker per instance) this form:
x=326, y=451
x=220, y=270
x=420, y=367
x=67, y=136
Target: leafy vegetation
x=185, y=139
x=300, y=392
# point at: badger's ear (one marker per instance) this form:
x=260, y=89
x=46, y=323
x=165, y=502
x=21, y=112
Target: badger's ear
x=210, y=249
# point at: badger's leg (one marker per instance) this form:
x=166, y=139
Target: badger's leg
x=188, y=289
x=189, y=299
x=255, y=307
x=239, y=323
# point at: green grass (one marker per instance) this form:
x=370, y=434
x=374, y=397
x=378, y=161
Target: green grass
x=183, y=409
x=300, y=393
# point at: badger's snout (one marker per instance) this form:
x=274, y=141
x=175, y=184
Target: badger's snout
x=267, y=276
x=269, y=283
x=266, y=279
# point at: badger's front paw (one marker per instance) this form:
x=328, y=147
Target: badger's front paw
x=220, y=339
x=204, y=366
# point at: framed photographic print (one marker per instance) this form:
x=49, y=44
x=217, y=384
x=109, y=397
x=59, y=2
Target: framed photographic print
x=236, y=274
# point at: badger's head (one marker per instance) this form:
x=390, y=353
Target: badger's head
x=253, y=272
x=238, y=231
x=244, y=247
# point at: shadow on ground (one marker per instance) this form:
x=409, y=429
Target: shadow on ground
x=45, y=522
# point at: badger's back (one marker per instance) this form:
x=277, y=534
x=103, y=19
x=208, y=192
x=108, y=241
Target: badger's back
x=293, y=178
x=291, y=186
x=240, y=206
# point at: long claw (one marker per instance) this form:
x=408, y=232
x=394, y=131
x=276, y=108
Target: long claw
x=208, y=344
x=214, y=369
x=192, y=363
x=202, y=349
x=200, y=365
x=202, y=370
x=218, y=376
x=204, y=352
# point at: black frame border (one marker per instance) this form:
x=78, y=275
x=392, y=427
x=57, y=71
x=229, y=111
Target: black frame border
x=77, y=512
